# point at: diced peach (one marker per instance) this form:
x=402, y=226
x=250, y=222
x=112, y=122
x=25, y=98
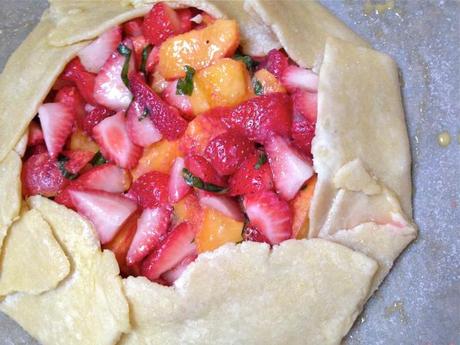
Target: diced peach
x=301, y=207
x=216, y=230
x=81, y=141
x=198, y=48
x=225, y=83
x=157, y=157
x=159, y=83
x=188, y=209
x=198, y=100
x=200, y=131
x=269, y=82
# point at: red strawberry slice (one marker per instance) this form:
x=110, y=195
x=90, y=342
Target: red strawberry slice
x=160, y=23
x=172, y=275
x=56, y=120
x=35, y=134
x=164, y=117
x=109, y=88
x=139, y=43
x=226, y=151
x=295, y=77
x=305, y=103
x=36, y=149
x=112, y=137
x=275, y=62
x=78, y=159
x=259, y=118
x=303, y=132
x=150, y=190
x=250, y=233
x=250, y=179
x=70, y=96
x=140, y=127
x=94, y=117
x=201, y=168
x=106, y=177
x=133, y=28
x=41, y=175
x=152, y=59
x=223, y=204
x=94, y=55
x=181, y=102
x=270, y=214
x=106, y=211
x=151, y=227
x=290, y=170
x=185, y=17
x=177, y=186
x=84, y=80
x=177, y=245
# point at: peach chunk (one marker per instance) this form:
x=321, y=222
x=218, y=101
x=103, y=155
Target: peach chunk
x=216, y=230
x=268, y=81
x=301, y=207
x=198, y=48
x=188, y=209
x=81, y=141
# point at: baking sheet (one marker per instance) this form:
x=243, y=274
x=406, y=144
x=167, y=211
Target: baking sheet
x=419, y=302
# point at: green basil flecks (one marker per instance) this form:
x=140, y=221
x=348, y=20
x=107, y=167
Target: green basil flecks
x=196, y=182
x=98, y=159
x=248, y=61
x=262, y=160
x=145, y=54
x=126, y=52
x=258, y=88
x=185, y=85
x=145, y=113
x=61, y=165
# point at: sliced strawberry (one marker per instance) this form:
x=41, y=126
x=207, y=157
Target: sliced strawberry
x=177, y=186
x=94, y=117
x=250, y=233
x=36, y=149
x=153, y=59
x=160, y=23
x=226, y=151
x=305, y=103
x=139, y=44
x=177, y=245
x=275, y=62
x=251, y=177
x=94, y=55
x=290, y=170
x=259, y=118
x=181, y=102
x=133, y=28
x=76, y=73
x=150, y=190
x=302, y=132
x=106, y=177
x=201, y=168
x=151, y=227
x=106, y=211
x=295, y=77
x=56, y=120
x=35, y=134
x=41, y=175
x=140, y=127
x=270, y=214
x=78, y=159
x=112, y=137
x=164, y=117
x=70, y=96
x=173, y=274
x=223, y=204
x=185, y=17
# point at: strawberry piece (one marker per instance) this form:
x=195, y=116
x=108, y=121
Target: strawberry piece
x=201, y=168
x=77, y=160
x=290, y=170
x=41, y=175
x=70, y=96
x=94, y=117
x=151, y=227
x=139, y=43
x=36, y=149
x=181, y=102
x=303, y=132
x=160, y=23
x=248, y=179
x=109, y=89
x=106, y=177
x=185, y=15
x=150, y=190
x=250, y=233
x=226, y=151
x=259, y=118
x=35, y=134
x=177, y=186
x=94, y=55
x=112, y=137
x=164, y=117
x=84, y=80
x=56, y=120
x=176, y=246
x=270, y=214
x=225, y=205
x=172, y=275
x=106, y=211
x=133, y=28
x=140, y=127
x=152, y=60
x=305, y=103
x=275, y=62
x=295, y=77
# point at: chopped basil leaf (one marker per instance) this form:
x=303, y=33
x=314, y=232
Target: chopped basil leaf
x=98, y=159
x=196, y=182
x=144, y=114
x=258, y=88
x=185, y=85
x=262, y=160
x=248, y=61
x=145, y=54
x=61, y=165
x=126, y=52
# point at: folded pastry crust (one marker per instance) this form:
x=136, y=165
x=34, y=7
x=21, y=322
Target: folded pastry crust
x=302, y=292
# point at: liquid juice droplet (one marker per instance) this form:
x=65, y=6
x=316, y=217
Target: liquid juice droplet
x=444, y=139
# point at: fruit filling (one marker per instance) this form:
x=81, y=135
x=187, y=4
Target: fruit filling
x=172, y=142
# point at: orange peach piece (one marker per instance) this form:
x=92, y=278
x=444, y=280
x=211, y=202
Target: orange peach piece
x=188, y=209
x=268, y=81
x=216, y=230
x=198, y=48
x=157, y=157
x=198, y=100
x=81, y=141
x=301, y=207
